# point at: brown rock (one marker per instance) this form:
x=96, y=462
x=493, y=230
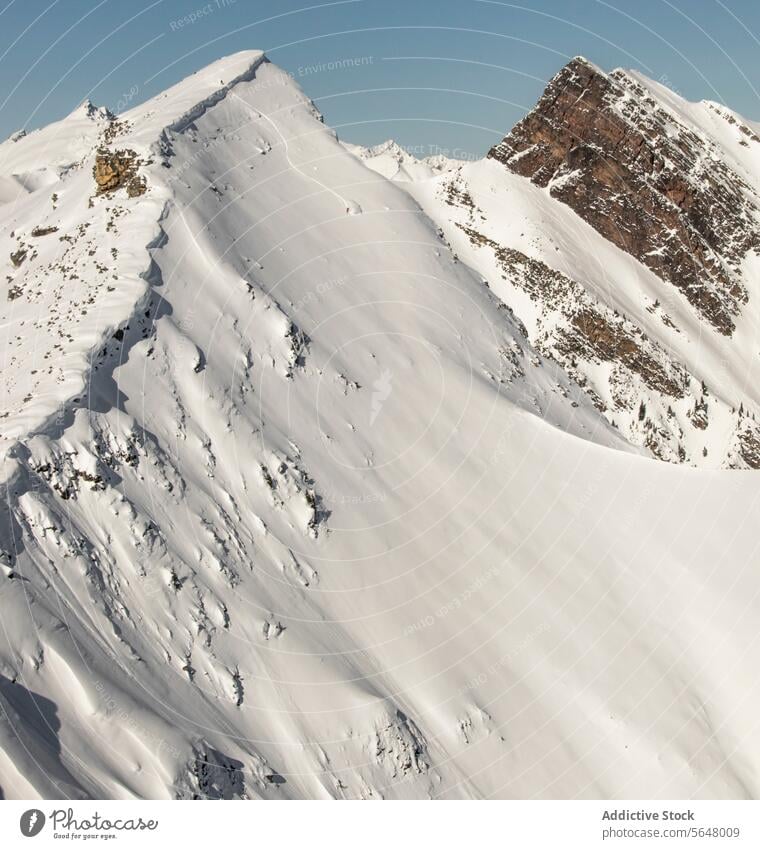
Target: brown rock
x=646, y=182
x=116, y=169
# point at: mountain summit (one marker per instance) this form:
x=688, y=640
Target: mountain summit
x=651, y=178
x=319, y=482
x=621, y=224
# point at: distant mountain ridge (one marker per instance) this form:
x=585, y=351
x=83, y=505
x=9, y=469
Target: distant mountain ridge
x=670, y=184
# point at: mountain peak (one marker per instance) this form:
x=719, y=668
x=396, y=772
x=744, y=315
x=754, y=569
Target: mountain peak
x=87, y=109
x=178, y=106
x=259, y=448
x=644, y=176
x=582, y=63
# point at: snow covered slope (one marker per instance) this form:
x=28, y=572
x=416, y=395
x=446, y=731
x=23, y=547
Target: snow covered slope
x=630, y=253
x=396, y=163
x=307, y=515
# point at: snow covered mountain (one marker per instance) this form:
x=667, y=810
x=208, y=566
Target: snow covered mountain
x=622, y=225
x=296, y=502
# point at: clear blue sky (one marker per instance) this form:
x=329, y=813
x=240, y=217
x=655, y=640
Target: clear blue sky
x=452, y=73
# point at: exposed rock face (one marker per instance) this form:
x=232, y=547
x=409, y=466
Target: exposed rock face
x=671, y=191
x=18, y=257
x=748, y=444
x=43, y=231
x=644, y=180
x=580, y=332
x=590, y=330
x=116, y=169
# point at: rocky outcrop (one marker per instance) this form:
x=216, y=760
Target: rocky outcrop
x=582, y=334
x=43, y=231
x=648, y=183
x=746, y=453
x=588, y=329
x=673, y=185
x=116, y=169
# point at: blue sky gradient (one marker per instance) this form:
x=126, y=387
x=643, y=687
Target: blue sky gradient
x=447, y=76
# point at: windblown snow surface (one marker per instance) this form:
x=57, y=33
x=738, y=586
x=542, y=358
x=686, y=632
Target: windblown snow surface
x=291, y=507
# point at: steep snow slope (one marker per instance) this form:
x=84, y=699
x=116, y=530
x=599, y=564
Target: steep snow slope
x=78, y=260
x=631, y=254
x=323, y=523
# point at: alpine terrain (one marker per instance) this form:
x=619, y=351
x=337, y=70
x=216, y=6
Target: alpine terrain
x=327, y=472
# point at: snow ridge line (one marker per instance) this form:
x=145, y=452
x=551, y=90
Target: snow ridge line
x=52, y=423
x=179, y=125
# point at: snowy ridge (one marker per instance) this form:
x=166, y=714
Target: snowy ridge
x=251, y=62
x=142, y=130
x=610, y=311
x=396, y=163
x=326, y=523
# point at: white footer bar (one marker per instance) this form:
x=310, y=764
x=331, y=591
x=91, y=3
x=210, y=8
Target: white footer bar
x=368, y=825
